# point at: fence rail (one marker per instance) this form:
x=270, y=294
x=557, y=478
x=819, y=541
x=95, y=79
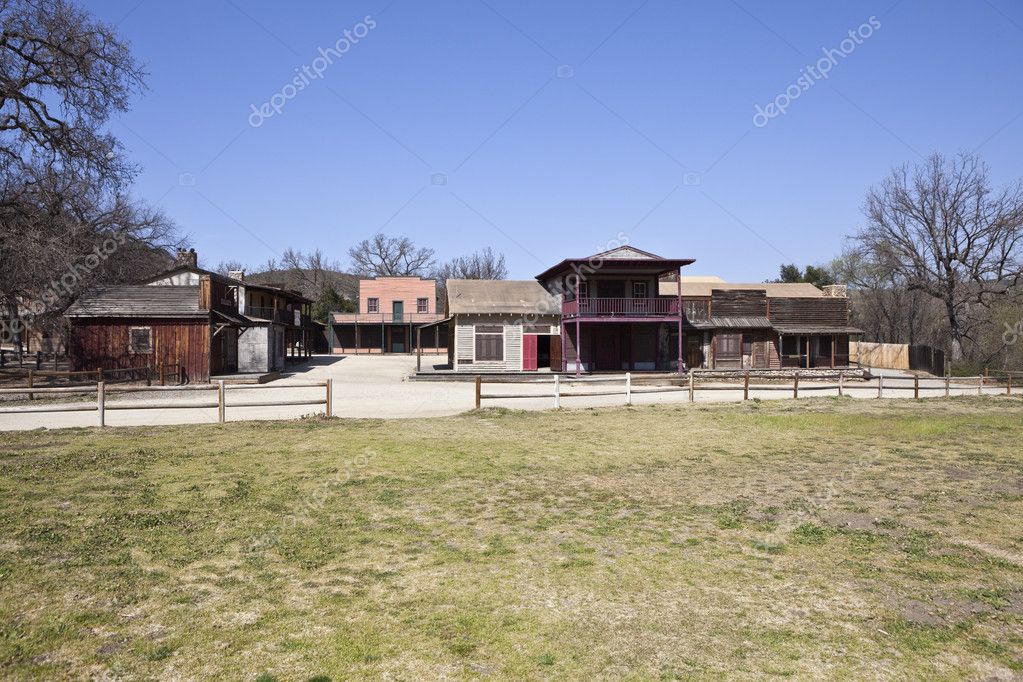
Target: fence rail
x=891, y=385
x=101, y=390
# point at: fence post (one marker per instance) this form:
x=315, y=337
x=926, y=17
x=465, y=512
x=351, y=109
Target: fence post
x=330, y=398
x=980, y=386
x=39, y=360
x=880, y=386
x=628, y=388
x=692, y=387
x=1008, y=384
x=479, y=386
x=841, y=381
x=916, y=388
x=101, y=402
x=163, y=373
x=745, y=386
x=795, y=386
x=557, y=391
x=948, y=380
x=99, y=374
x=55, y=361
x=31, y=382
x=221, y=406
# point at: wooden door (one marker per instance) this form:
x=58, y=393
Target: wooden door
x=728, y=350
x=529, y=363
x=556, y=353
x=398, y=311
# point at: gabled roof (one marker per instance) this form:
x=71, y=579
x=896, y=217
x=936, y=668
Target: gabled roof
x=191, y=268
x=468, y=296
x=693, y=287
x=623, y=257
x=137, y=300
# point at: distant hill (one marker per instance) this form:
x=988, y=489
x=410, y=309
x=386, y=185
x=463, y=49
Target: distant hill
x=309, y=282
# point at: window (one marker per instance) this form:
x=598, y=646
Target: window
x=584, y=289
x=489, y=343
x=140, y=340
x=639, y=290
x=372, y=305
x=789, y=345
x=422, y=305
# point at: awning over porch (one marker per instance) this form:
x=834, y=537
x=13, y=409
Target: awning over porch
x=812, y=329
x=734, y=323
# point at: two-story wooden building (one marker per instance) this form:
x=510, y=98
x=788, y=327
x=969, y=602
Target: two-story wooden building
x=623, y=310
x=207, y=323
x=392, y=310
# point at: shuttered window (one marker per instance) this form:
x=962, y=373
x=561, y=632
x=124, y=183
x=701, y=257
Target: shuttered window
x=140, y=340
x=489, y=343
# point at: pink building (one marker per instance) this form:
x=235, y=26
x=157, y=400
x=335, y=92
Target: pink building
x=393, y=313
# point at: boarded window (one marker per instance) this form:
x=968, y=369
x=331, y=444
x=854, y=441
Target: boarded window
x=422, y=305
x=372, y=305
x=140, y=340
x=489, y=343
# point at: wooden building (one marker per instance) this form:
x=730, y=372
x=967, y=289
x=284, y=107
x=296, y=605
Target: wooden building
x=502, y=326
x=763, y=325
x=194, y=328
x=613, y=317
x=394, y=312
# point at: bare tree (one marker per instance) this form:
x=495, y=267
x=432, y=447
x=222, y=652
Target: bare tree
x=943, y=230
x=383, y=256
x=64, y=209
x=485, y=264
x=61, y=76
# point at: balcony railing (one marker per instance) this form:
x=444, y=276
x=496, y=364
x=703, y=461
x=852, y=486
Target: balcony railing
x=386, y=318
x=277, y=315
x=620, y=307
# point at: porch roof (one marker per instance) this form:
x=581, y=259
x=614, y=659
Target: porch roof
x=622, y=258
x=815, y=329
x=734, y=323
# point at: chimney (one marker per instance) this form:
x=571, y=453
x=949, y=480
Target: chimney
x=835, y=291
x=187, y=258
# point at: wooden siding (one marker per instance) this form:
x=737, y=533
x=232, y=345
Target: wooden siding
x=103, y=342
x=465, y=342
x=738, y=303
x=405, y=289
x=811, y=312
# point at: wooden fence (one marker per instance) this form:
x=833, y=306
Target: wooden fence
x=885, y=387
x=102, y=390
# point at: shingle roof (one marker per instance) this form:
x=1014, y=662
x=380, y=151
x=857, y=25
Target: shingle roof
x=773, y=289
x=734, y=323
x=499, y=296
x=137, y=300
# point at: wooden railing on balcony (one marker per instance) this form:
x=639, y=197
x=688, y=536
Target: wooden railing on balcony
x=278, y=315
x=620, y=307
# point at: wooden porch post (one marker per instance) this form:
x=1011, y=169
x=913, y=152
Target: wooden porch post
x=834, y=340
x=356, y=336
x=419, y=349
x=564, y=348
x=681, y=347
x=578, y=347
x=807, y=351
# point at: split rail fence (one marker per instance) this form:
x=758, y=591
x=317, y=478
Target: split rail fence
x=891, y=387
x=102, y=391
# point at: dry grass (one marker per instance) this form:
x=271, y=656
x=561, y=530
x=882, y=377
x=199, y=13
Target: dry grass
x=821, y=538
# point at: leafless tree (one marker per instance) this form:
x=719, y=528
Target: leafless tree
x=63, y=177
x=61, y=76
x=485, y=264
x=383, y=256
x=943, y=230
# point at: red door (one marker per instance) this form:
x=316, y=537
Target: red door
x=529, y=352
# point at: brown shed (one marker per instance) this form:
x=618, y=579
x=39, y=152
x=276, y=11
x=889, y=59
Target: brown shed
x=138, y=326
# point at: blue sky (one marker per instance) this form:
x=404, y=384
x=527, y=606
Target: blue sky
x=546, y=129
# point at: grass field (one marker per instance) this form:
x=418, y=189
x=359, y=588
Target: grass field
x=837, y=538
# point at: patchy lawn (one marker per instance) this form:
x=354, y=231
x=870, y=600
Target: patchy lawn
x=821, y=538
